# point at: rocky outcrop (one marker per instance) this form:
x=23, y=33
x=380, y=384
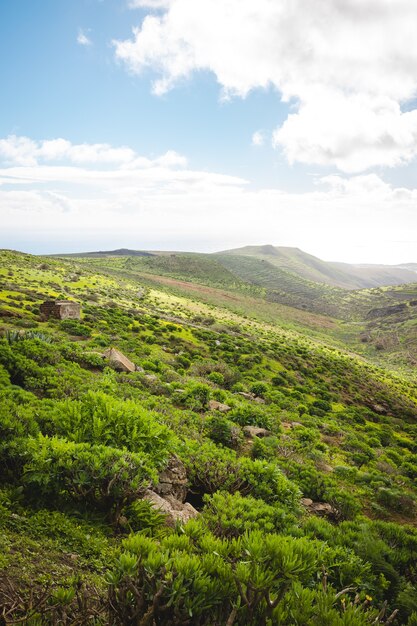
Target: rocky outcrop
x=322, y=509
x=173, y=480
x=174, y=510
x=119, y=361
x=255, y=431
x=386, y=311
x=213, y=405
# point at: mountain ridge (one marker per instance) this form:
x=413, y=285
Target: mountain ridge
x=292, y=261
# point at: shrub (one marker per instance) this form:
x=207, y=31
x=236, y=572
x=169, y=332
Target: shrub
x=75, y=327
x=196, y=578
x=246, y=415
x=101, y=419
x=231, y=515
x=223, y=431
x=259, y=389
x=91, y=475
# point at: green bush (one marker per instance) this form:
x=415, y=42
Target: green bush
x=253, y=580
x=102, y=419
x=224, y=432
x=75, y=327
x=94, y=476
x=247, y=415
x=231, y=515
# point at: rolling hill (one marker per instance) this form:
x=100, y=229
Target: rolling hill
x=247, y=441
x=344, y=275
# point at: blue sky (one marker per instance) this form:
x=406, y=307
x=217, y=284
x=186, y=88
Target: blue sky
x=237, y=126
x=56, y=87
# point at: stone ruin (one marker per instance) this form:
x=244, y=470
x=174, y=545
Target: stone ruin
x=60, y=309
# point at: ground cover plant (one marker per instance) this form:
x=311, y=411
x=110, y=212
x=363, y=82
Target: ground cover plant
x=300, y=456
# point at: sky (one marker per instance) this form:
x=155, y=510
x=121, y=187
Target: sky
x=204, y=125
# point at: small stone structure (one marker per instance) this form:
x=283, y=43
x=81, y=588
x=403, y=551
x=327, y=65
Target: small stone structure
x=173, y=480
x=60, y=309
x=169, y=495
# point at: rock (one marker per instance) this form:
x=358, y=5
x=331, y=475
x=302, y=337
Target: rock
x=151, y=377
x=255, y=431
x=260, y=400
x=325, y=467
x=173, y=480
x=175, y=510
x=322, y=509
x=378, y=408
x=289, y=425
x=119, y=361
x=139, y=368
x=244, y=394
x=213, y=405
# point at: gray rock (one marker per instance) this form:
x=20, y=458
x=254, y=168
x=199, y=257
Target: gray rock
x=213, y=405
x=245, y=394
x=255, y=431
x=119, y=361
x=174, y=510
x=322, y=509
x=173, y=480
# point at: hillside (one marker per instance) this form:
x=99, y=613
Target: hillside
x=246, y=469
x=343, y=275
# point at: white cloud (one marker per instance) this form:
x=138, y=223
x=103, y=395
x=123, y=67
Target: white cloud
x=47, y=196
x=258, y=138
x=346, y=66
x=83, y=39
x=27, y=152
x=149, y=4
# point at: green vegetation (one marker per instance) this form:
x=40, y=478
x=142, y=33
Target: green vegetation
x=312, y=522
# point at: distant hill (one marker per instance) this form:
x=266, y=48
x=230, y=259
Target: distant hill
x=103, y=253
x=344, y=275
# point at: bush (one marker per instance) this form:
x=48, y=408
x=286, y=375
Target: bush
x=223, y=431
x=212, y=469
x=91, y=475
x=75, y=327
x=246, y=415
x=231, y=515
x=101, y=419
x=196, y=578
x=259, y=389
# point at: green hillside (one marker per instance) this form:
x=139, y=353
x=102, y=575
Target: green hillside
x=298, y=456
x=343, y=275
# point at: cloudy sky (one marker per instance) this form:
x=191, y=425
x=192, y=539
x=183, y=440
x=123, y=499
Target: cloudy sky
x=209, y=124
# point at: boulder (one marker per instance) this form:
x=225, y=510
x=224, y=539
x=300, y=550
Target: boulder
x=213, y=405
x=255, y=431
x=245, y=394
x=378, y=408
x=119, y=361
x=322, y=509
x=173, y=480
x=259, y=400
x=174, y=510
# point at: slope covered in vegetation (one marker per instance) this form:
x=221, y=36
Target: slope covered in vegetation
x=300, y=458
